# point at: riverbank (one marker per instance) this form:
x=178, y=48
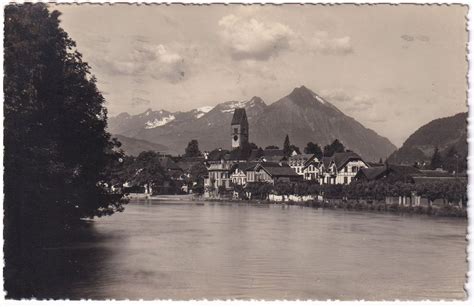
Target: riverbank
x=445, y=210
x=434, y=210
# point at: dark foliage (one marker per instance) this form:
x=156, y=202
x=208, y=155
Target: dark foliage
x=57, y=153
x=436, y=160
x=192, y=150
x=313, y=148
x=333, y=148
x=286, y=146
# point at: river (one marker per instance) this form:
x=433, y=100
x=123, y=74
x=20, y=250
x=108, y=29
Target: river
x=192, y=250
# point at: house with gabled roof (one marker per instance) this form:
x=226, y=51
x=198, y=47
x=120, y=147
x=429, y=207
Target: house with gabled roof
x=341, y=168
x=272, y=172
x=238, y=172
x=305, y=165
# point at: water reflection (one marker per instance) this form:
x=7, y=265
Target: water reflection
x=213, y=250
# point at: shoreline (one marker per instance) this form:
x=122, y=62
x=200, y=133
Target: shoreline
x=349, y=205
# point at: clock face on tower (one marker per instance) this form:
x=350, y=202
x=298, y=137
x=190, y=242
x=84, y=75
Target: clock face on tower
x=236, y=137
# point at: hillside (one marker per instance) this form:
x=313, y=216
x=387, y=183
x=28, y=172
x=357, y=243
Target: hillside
x=443, y=133
x=133, y=147
x=305, y=116
x=302, y=114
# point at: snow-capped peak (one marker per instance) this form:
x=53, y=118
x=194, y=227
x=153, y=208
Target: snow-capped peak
x=200, y=112
x=159, y=122
x=205, y=109
x=230, y=106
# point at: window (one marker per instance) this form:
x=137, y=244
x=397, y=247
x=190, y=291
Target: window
x=345, y=169
x=354, y=169
x=236, y=130
x=345, y=180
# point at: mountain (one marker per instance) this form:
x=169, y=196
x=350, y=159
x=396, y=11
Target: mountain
x=303, y=115
x=133, y=147
x=306, y=116
x=210, y=126
x=443, y=133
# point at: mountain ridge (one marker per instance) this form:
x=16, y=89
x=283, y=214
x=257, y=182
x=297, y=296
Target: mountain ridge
x=303, y=115
x=444, y=133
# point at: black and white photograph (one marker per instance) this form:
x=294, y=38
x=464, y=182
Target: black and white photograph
x=235, y=152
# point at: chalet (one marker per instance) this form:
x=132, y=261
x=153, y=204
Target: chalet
x=218, y=167
x=305, y=165
x=312, y=170
x=238, y=172
x=341, y=168
x=272, y=172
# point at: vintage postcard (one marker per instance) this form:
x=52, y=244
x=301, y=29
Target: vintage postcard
x=271, y=152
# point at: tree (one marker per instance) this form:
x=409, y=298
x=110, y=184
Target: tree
x=436, y=160
x=333, y=148
x=313, y=148
x=57, y=151
x=286, y=146
x=148, y=171
x=295, y=149
x=260, y=153
x=453, y=161
x=192, y=150
x=272, y=147
x=197, y=173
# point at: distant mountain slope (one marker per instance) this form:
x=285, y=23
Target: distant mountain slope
x=302, y=114
x=133, y=147
x=211, y=129
x=305, y=116
x=443, y=133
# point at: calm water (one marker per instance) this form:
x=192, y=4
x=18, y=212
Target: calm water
x=214, y=250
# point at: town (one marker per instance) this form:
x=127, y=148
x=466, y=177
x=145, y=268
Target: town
x=333, y=174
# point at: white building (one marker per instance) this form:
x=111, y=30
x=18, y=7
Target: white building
x=341, y=168
x=305, y=165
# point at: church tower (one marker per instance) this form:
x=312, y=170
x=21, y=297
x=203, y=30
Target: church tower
x=240, y=128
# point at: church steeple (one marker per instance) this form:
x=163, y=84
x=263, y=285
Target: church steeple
x=240, y=128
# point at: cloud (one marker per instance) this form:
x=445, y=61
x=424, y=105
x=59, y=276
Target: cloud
x=249, y=38
x=412, y=38
x=322, y=43
x=407, y=38
x=156, y=61
x=354, y=103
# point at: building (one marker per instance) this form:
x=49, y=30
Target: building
x=305, y=165
x=218, y=168
x=312, y=170
x=341, y=168
x=388, y=173
x=272, y=172
x=240, y=128
x=392, y=173
x=239, y=172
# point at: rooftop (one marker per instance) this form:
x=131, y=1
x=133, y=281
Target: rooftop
x=240, y=117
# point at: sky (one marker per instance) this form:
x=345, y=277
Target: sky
x=392, y=68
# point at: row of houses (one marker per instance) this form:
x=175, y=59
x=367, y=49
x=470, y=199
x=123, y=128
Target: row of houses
x=273, y=167
x=241, y=165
